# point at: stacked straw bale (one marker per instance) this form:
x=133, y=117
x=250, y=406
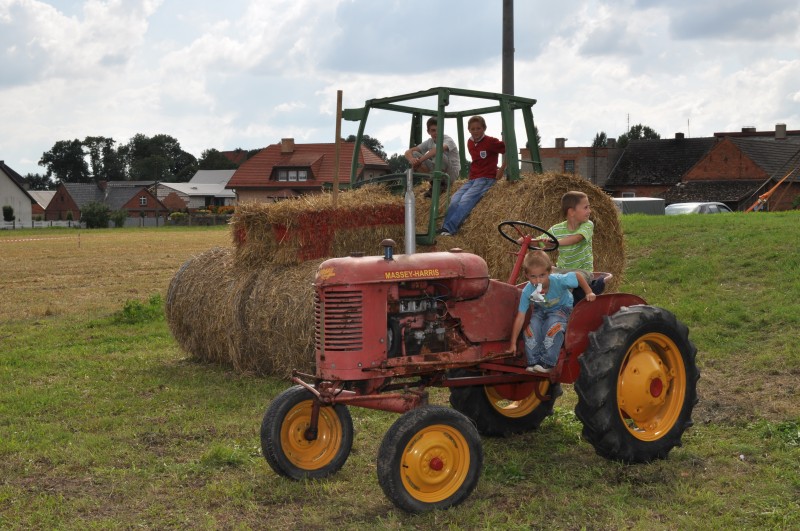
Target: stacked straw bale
x=252, y=306
x=295, y=231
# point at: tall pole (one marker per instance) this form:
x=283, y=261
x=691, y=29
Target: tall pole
x=508, y=59
x=508, y=47
x=338, y=148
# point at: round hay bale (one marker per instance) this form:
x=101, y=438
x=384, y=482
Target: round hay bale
x=197, y=300
x=274, y=330
x=536, y=199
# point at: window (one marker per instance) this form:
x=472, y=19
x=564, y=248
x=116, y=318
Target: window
x=569, y=166
x=143, y=201
x=628, y=194
x=291, y=175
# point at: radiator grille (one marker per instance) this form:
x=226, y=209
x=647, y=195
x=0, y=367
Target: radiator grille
x=339, y=320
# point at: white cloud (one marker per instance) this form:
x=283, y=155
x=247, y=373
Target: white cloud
x=246, y=73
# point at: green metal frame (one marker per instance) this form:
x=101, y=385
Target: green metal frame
x=505, y=105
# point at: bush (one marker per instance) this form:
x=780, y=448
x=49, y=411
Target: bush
x=226, y=210
x=134, y=312
x=179, y=218
x=95, y=214
x=119, y=217
x=8, y=213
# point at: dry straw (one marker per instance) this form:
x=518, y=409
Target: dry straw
x=253, y=308
x=309, y=227
x=536, y=199
x=198, y=305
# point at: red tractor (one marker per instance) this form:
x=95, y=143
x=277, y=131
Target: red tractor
x=389, y=327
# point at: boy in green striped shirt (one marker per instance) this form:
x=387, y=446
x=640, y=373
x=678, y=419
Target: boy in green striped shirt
x=574, y=237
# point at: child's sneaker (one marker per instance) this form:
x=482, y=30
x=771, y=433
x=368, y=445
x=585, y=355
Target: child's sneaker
x=530, y=368
x=539, y=368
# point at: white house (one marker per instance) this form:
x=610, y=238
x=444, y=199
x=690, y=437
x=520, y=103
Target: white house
x=205, y=189
x=14, y=194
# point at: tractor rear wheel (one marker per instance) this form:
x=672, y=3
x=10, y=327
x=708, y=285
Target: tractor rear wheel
x=431, y=458
x=637, y=385
x=504, y=409
x=290, y=447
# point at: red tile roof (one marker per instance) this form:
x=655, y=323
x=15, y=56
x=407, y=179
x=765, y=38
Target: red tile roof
x=257, y=170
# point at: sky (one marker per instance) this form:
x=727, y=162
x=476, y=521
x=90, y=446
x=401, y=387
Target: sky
x=244, y=74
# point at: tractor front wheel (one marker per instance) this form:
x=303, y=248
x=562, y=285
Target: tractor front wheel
x=637, y=385
x=505, y=409
x=292, y=448
x=431, y=458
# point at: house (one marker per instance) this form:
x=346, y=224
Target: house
x=737, y=170
x=14, y=193
x=43, y=198
x=289, y=170
x=649, y=168
x=205, y=189
x=132, y=196
x=592, y=163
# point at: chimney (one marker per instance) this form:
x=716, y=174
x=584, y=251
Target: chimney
x=780, y=131
x=678, y=136
x=611, y=143
x=560, y=143
x=748, y=129
x=287, y=146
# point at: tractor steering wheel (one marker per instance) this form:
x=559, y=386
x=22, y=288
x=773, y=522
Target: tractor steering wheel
x=551, y=244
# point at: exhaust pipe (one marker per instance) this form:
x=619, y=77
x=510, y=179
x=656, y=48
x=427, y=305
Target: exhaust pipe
x=411, y=224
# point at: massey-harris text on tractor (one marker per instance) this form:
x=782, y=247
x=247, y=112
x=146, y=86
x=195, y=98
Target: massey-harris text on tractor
x=389, y=327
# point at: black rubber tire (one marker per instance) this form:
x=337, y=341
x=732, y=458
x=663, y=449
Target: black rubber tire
x=480, y=403
x=607, y=370
x=283, y=442
x=407, y=471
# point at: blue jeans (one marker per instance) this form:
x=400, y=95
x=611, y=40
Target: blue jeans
x=463, y=201
x=544, y=335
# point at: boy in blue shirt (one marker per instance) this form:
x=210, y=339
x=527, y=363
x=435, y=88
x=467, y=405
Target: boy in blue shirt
x=552, y=304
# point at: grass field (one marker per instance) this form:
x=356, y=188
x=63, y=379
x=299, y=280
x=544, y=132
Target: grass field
x=105, y=424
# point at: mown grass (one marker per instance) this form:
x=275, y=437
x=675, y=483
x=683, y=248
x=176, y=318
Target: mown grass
x=105, y=424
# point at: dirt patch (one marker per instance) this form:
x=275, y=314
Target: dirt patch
x=732, y=391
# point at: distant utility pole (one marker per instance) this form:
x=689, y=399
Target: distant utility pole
x=508, y=47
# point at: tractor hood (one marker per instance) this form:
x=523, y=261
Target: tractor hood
x=422, y=266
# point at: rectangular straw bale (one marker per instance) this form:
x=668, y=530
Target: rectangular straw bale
x=296, y=230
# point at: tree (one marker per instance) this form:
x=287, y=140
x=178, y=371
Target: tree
x=373, y=143
x=398, y=163
x=38, y=182
x=600, y=140
x=96, y=215
x=213, y=159
x=65, y=161
x=637, y=132
x=104, y=159
x=158, y=158
x=119, y=217
x=8, y=213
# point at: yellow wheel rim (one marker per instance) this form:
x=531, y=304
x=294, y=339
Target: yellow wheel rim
x=435, y=463
x=651, y=387
x=315, y=454
x=516, y=408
